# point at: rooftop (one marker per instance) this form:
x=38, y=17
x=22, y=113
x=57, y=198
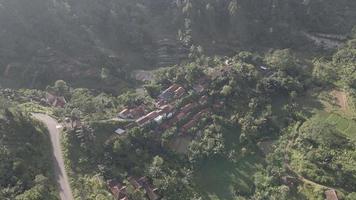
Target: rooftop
x=331, y=195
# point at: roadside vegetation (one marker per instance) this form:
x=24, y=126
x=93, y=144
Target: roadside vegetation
x=25, y=156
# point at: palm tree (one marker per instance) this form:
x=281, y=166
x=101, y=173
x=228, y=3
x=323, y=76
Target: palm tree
x=75, y=116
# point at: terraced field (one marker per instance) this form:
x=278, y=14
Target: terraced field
x=344, y=125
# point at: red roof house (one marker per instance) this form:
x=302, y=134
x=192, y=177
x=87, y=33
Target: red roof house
x=179, y=92
x=147, y=118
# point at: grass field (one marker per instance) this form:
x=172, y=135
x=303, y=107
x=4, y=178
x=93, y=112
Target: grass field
x=219, y=179
x=344, y=125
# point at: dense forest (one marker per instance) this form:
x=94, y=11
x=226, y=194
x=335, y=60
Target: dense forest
x=180, y=99
x=77, y=40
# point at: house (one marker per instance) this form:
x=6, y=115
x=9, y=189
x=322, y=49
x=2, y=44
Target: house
x=166, y=111
x=181, y=116
x=138, y=112
x=169, y=92
x=178, y=93
x=124, y=113
x=187, y=108
x=194, y=121
x=331, y=195
x=160, y=103
x=133, y=113
x=134, y=183
x=117, y=190
x=189, y=125
x=147, y=118
x=55, y=101
x=167, y=108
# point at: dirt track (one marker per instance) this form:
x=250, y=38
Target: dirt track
x=58, y=161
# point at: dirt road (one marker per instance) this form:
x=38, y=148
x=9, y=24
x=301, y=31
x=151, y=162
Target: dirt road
x=59, y=169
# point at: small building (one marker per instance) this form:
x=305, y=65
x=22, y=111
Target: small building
x=159, y=119
x=120, y=131
x=120, y=192
x=331, y=195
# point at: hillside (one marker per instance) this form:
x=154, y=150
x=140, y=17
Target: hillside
x=78, y=41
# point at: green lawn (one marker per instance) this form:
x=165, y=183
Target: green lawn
x=219, y=178
x=344, y=125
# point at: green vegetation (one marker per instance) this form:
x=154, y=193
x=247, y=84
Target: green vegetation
x=220, y=179
x=25, y=157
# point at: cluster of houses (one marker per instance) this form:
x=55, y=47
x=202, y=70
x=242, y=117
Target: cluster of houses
x=119, y=190
x=166, y=114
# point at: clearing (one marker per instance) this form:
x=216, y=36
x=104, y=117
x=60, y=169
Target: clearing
x=341, y=100
x=220, y=179
x=342, y=124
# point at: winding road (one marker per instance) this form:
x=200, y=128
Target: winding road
x=65, y=192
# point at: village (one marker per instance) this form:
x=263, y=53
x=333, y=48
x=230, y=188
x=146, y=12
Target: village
x=168, y=112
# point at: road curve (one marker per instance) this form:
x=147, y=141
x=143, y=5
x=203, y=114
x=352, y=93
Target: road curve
x=65, y=192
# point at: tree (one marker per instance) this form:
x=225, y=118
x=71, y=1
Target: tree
x=283, y=60
x=233, y=7
x=156, y=167
x=153, y=90
x=105, y=74
x=351, y=196
x=41, y=190
x=226, y=91
x=61, y=88
x=324, y=71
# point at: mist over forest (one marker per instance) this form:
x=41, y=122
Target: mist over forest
x=63, y=39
